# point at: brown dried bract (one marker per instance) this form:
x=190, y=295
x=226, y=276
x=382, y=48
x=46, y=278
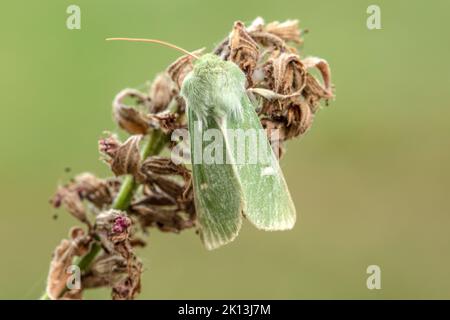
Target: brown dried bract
x=77, y=245
x=286, y=75
x=106, y=270
x=162, y=91
x=244, y=50
x=95, y=190
x=129, y=118
x=163, y=166
x=130, y=286
x=168, y=201
x=267, y=39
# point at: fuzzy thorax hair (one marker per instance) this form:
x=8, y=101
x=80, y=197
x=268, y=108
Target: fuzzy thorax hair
x=214, y=88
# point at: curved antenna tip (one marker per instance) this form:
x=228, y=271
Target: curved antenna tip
x=164, y=43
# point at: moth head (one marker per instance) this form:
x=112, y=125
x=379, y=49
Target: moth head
x=214, y=88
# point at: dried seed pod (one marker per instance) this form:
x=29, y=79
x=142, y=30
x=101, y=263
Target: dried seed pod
x=153, y=172
x=163, y=166
x=299, y=119
x=93, y=189
x=130, y=119
x=106, y=270
x=243, y=50
x=123, y=158
x=154, y=199
x=169, y=186
x=166, y=220
x=162, y=91
x=286, y=74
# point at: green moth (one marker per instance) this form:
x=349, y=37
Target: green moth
x=225, y=192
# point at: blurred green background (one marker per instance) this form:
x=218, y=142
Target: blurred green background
x=371, y=180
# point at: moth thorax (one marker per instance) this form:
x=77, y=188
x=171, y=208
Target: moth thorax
x=214, y=88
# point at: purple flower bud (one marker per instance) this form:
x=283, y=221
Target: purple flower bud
x=120, y=224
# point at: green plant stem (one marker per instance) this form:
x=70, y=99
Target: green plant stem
x=154, y=146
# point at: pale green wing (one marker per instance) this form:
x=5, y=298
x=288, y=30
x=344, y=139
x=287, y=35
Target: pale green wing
x=217, y=192
x=267, y=202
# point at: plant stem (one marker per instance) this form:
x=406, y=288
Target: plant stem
x=154, y=146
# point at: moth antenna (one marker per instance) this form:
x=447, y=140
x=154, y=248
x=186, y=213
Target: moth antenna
x=164, y=43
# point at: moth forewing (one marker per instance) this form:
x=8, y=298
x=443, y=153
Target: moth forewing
x=267, y=201
x=218, y=193
x=215, y=95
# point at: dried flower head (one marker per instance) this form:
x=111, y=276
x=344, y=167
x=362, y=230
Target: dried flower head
x=159, y=193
